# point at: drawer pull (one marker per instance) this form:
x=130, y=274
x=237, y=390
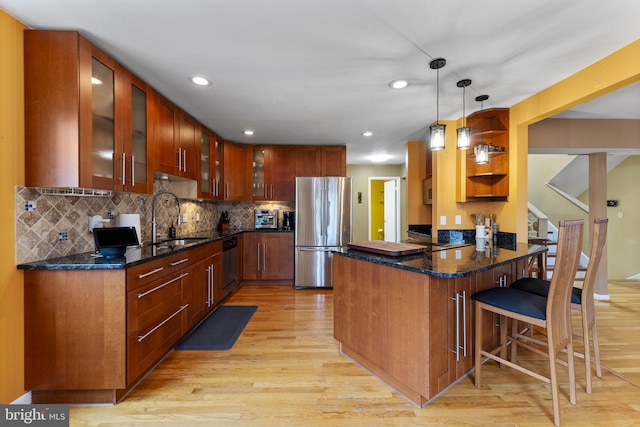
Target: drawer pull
x=142, y=276
x=159, y=325
x=173, y=264
x=143, y=294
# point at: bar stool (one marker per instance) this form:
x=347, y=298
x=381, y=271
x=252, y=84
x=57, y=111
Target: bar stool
x=552, y=314
x=581, y=299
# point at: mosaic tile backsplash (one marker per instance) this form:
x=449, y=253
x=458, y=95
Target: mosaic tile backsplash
x=49, y=226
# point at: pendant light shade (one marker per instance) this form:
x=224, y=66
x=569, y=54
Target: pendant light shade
x=437, y=131
x=481, y=150
x=482, y=153
x=464, y=132
x=437, y=136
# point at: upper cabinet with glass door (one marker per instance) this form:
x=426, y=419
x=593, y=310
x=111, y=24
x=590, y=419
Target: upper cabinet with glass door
x=75, y=115
x=133, y=163
x=209, y=186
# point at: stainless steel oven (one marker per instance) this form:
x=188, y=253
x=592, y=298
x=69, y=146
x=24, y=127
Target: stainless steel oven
x=229, y=264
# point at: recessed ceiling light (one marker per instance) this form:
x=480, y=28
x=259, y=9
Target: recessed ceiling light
x=200, y=81
x=377, y=158
x=367, y=133
x=398, y=84
x=248, y=132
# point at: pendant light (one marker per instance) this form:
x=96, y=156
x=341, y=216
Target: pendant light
x=464, y=132
x=436, y=131
x=481, y=150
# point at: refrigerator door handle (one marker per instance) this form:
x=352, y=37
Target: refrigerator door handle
x=316, y=249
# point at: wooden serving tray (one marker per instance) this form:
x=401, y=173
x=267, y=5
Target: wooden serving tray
x=387, y=248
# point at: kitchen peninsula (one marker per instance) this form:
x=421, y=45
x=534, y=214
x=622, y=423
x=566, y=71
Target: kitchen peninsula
x=409, y=319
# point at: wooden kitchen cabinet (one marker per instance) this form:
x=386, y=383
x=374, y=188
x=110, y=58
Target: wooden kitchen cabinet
x=135, y=160
x=334, y=160
x=116, y=325
x=308, y=160
x=414, y=331
x=73, y=112
x=188, y=146
x=236, y=171
x=203, y=289
x=88, y=120
x=273, y=173
x=268, y=256
x=450, y=320
x=177, y=140
x=490, y=181
x=210, y=183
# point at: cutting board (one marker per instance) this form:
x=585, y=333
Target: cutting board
x=387, y=248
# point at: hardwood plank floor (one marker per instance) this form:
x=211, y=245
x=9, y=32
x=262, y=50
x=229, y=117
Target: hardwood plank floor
x=286, y=370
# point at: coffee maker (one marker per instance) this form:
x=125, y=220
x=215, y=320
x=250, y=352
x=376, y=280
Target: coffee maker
x=288, y=219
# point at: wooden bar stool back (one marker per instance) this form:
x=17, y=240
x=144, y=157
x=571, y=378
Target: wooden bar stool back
x=581, y=298
x=552, y=314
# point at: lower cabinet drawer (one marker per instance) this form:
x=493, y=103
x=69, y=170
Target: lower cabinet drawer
x=156, y=314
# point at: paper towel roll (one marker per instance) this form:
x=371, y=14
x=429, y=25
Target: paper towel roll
x=130, y=220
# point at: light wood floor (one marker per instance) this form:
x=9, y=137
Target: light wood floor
x=286, y=370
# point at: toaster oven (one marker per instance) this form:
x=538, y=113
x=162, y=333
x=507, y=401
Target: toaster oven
x=266, y=218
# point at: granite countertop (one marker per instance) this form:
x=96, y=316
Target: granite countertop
x=134, y=255
x=459, y=261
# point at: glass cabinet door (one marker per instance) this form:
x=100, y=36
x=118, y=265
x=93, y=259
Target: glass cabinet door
x=137, y=164
x=217, y=183
x=205, y=165
x=258, y=170
x=103, y=119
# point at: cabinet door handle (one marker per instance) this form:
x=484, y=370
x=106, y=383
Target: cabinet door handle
x=464, y=323
x=209, y=285
x=184, y=163
x=271, y=187
x=456, y=298
x=179, y=161
x=124, y=161
x=143, y=275
x=144, y=294
x=173, y=264
x=133, y=170
x=213, y=281
x=264, y=257
x=258, y=256
x=159, y=325
x=226, y=189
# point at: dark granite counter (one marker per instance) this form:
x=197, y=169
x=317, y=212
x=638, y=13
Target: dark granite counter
x=134, y=255
x=453, y=261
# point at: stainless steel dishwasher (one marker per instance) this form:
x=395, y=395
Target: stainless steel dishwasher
x=229, y=264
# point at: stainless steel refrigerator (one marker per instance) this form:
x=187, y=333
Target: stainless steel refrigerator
x=322, y=224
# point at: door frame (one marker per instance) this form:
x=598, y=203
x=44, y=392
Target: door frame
x=398, y=219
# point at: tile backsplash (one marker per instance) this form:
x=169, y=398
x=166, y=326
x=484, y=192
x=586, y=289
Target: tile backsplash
x=50, y=226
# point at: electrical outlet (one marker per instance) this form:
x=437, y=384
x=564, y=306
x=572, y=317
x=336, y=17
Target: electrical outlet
x=458, y=219
x=185, y=218
x=197, y=216
x=443, y=220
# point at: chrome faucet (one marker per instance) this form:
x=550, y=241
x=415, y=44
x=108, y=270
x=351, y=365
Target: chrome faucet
x=153, y=213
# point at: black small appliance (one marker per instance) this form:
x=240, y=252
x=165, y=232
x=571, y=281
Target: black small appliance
x=288, y=219
x=112, y=242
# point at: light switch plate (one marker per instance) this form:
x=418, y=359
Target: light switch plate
x=443, y=220
x=458, y=219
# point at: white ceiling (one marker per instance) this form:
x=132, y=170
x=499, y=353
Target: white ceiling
x=317, y=71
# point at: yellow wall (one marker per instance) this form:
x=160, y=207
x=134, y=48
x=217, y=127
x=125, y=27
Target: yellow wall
x=11, y=174
x=612, y=72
